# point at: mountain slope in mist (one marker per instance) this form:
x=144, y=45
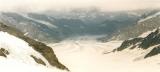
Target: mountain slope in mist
x=148, y=22
x=58, y=26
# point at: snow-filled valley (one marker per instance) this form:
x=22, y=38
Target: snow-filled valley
x=78, y=55
x=89, y=56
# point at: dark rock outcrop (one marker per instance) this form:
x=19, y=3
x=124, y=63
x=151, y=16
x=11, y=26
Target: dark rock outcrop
x=153, y=52
x=128, y=43
x=43, y=49
x=3, y=52
x=151, y=40
x=38, y=60
x=144, y=43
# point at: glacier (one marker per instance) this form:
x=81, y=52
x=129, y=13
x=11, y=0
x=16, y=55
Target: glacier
x=88, y=56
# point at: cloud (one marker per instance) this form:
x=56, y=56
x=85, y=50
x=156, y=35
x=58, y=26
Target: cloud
x=109, y=5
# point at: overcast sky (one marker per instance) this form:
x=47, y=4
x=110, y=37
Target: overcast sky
x=109, y=5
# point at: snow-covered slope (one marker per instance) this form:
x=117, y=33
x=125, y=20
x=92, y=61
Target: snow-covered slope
x=19, y=53
x=19, y=57
x=149, y=17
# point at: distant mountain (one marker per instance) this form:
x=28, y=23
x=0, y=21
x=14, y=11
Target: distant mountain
x=58, y=26
x=33, y=28
x=16, y=46
x=148, y=22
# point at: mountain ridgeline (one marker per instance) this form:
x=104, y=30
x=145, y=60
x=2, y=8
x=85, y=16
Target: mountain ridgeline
x=58, y=26
x=151, y=41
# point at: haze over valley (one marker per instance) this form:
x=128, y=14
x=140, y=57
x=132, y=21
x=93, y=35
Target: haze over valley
x=80, y=35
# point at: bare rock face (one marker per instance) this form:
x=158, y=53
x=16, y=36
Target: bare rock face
x=38, y=60
x=3, y=52
x=40, y=47
x=153, y=52
x=128, y=43
x=153, y=39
